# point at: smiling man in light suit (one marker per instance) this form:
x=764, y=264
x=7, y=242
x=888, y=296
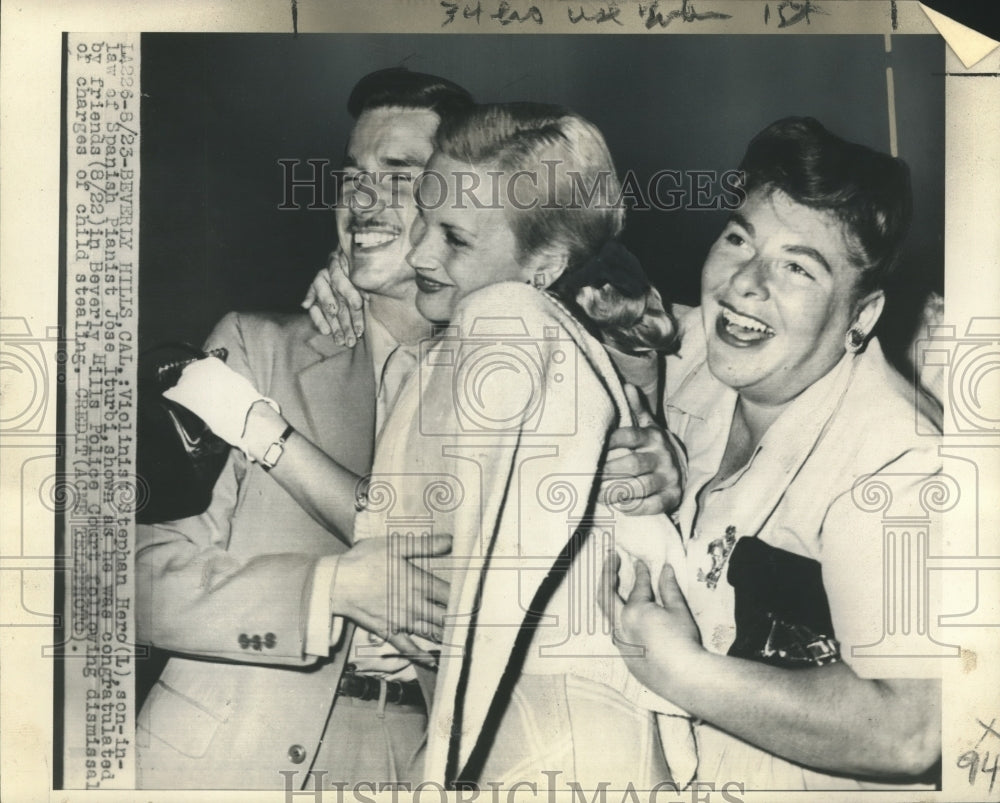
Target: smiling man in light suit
x=251, y=595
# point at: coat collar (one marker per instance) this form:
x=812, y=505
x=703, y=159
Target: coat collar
x=702, y=410
x=339, y=386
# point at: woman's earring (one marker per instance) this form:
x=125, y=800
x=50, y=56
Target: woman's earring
x=855, y=340
x=539, y=281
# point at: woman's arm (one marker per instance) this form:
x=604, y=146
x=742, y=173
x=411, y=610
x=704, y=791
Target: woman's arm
x=825, y=717
x=238, y=413
x=321, y=486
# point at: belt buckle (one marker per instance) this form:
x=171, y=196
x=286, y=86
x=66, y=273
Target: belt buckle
x=370, y=687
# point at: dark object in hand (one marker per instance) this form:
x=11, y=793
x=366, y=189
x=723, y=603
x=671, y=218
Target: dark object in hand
x=782, y=613
x=178, y=457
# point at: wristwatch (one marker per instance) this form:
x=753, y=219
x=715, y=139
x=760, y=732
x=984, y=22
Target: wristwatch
x=274, y=452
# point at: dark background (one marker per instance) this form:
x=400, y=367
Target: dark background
x=218, y=111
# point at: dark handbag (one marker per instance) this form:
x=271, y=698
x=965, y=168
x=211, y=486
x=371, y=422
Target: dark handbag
x=178, y=457
x=782, y=613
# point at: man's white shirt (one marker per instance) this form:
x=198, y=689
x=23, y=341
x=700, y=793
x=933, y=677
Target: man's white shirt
x=392, y=363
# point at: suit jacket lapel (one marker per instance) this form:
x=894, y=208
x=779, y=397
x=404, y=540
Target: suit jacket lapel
x=339, y=391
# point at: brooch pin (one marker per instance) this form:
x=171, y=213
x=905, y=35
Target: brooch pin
x=719, y=550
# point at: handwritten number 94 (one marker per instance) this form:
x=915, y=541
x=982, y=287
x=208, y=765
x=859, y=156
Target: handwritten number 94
x=970, y=759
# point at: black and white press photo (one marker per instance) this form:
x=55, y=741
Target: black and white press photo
x=502, y=400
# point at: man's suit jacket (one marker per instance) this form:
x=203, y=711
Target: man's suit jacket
x=230, y=587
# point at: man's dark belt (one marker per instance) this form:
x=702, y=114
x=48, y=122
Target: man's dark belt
x=369, y=687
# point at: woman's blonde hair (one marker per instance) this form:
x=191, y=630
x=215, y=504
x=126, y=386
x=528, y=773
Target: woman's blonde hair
x=571, y=202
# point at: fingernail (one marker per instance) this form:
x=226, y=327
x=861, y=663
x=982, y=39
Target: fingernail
x=350, y=340
x=357, y=330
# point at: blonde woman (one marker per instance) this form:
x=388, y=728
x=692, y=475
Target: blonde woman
x=499, y=438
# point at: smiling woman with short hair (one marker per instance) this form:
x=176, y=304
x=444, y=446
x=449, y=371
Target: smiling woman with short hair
x=792, y=419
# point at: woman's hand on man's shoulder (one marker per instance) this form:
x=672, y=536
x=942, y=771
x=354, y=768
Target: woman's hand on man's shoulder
x=336, y=307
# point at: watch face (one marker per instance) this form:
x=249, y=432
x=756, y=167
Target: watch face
x=273, y=455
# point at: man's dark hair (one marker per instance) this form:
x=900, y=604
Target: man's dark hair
x=867, y=191
x=397, y=86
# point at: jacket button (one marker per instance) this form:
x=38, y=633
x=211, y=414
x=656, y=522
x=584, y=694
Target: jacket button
x=296, y=754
